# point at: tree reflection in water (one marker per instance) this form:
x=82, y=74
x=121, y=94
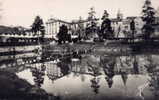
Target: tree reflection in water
x=38, y=73
x=124, y=68
x=108, y=65
x=64, y=65
x=136, y=65
x=95, y=81
x=153, y=70
x=78, y=68
x=95, y=84
x=94, y=71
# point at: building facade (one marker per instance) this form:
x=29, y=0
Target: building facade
x=53, y=25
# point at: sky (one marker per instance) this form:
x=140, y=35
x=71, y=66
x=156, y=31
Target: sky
x=23, y=12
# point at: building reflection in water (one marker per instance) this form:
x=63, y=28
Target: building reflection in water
x=79, y=68
x=87, y=67
x=58, y=68
x=53, y=72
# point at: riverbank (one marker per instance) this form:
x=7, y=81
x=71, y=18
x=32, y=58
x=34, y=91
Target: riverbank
x=108, y=48
x=14, y=88
x=85, y=48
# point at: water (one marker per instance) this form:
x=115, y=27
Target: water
x=88, y=76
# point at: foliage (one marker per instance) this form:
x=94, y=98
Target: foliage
x=149, y=18
x=63, y=34
x=106, y=27
x=38, y=26
x=17, y=30
x=91, y=27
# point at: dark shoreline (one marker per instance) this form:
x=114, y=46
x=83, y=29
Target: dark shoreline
x=14, y=88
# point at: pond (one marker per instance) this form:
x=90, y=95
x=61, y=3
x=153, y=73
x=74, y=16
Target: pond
x=88, y=76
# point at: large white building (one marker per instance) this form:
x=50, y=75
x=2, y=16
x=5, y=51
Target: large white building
x=53, y=25
x=75, y=27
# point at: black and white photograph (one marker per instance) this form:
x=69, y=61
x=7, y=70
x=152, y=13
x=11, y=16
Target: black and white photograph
x=79, y=49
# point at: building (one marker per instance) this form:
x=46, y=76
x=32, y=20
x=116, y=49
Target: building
x=75, y=28
x=121, y=28
x=53, y=25
x=78, y=28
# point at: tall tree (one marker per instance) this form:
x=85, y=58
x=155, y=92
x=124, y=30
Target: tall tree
x=106, y=28
x=92, y=25
x=38, y=26
x=148, y=16
x=132, y=28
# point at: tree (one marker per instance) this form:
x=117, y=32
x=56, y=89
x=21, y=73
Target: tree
x=106, y=28
x=132, y=28
x=80, y=29
x=63, y=34
x=91, y=27
x=148, y=16
x=38, y=26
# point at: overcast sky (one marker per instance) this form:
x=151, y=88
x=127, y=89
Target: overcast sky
x=23, y=12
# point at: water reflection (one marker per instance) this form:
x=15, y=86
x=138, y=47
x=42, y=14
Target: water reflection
x=153, y=71
x=108, y=64
x=88, y=75
x=95, y=84
x=38, y=73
